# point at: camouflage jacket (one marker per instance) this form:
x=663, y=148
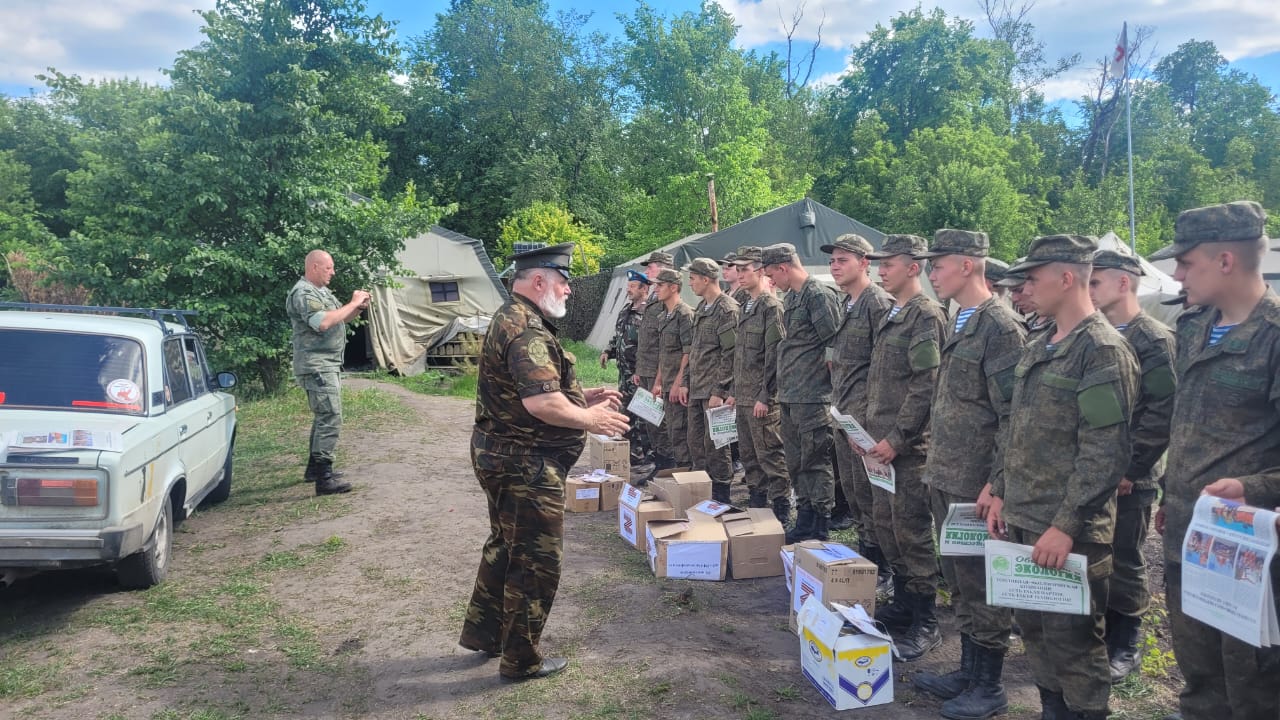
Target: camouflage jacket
x=521, y=357
x=850, y=353
x=903, y=371
x=971, y=403
x=674, y=341
x=1152, y=343
x=809, y=317
x=647, y=339
x=1226, y=413
x=1069, y=432
x=755, y=355
x=314, y=351
x=622, y=346
x=711, y=353
x=741, y=296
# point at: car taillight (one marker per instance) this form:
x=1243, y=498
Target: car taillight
x=52, y=492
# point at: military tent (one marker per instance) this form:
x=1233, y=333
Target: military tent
x=807, y=224
x=445, y=285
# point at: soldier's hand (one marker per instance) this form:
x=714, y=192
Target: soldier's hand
x=984, y=502
x=635, y=380
x=760, y=410
x=604, y=420
x=681, y=395
x=604, y=360
x=714, y=402
x=1052, y=548
x=657, y=390
x=598, y=395
x=1226, y=488
x=883, y=452
x=1126, y=487
x=1160, y=520
x=995, y=520
x=360, y=298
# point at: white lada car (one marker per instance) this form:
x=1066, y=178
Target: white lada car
x=112, y=429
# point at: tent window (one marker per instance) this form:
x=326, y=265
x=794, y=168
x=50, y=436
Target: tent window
x=444, y=292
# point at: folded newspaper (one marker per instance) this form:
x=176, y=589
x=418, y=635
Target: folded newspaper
x=646, y=407
x=1226, y=570
x=963, y=532
x=722, y=424
x=1015, y=581
x=880, y=474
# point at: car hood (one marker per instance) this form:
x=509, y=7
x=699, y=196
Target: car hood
x=16, y=423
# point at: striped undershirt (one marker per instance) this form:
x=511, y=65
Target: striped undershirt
x=894, y=311
x=963, y=316
x=1217, y=332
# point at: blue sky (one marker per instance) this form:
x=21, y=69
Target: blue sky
x=135, y=38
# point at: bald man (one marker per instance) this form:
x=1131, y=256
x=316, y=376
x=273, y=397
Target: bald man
x=319, y=339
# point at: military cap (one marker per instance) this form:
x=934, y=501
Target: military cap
x=706, y=267
x=556, y=257
x=1113, y=260
x=728, y=258
x=852, y=243
x=666, y=258
x=638, y=277
x=996, y=269
x=780, y=253
x=747, y=255
x=1075, y=249
x=670, y=276
x=1179, y=299
x=911, y=245
x=1013, y=279
x=1240, y=221
x=957, y=242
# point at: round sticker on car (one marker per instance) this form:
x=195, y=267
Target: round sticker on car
x=123, y=391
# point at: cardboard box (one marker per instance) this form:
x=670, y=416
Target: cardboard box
x=834, y=573
x=682, y=488
x=609, y=454
x=581, y=495
x=788, y=557
x=755, y=543
x=610, y=487
x=635, y=513
x=688, y=549
x=850, y=669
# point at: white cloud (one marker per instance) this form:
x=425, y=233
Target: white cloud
x=95, y=39
x=1239, y=28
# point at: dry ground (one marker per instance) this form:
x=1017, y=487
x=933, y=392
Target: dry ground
x=280, y=605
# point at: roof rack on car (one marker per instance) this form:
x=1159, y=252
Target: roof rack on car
x=157, y=314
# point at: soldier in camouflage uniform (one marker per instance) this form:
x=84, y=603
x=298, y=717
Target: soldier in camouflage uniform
x=729, y=265
x=622, y=348
x=1113, y=288
x=647, y=352
x=1068, y=448
x=865, y=305
x=810, y=315
x=970, y=419
x=675, y=337
x=755, y=389
x=900, y=380
x=994, y=273
x=530, y=417
x=319, y=324
x=710, y=372
x=1224, y=439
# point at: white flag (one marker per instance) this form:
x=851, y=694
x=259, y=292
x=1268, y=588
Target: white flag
x=1120, y=56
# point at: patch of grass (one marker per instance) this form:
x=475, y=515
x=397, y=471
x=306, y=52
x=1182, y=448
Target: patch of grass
x=299, y=644
x=597, y=692
x=199, y=714
x=759, y=713
x=1156, y=662
x=160, y=670
x=23, y=680
x=590, y=374
x=789, y=692
x=459, y=382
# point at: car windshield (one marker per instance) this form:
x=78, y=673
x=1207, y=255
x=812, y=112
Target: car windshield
x=71, y=371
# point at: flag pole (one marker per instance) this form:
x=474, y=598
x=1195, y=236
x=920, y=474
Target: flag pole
x=1128, y=123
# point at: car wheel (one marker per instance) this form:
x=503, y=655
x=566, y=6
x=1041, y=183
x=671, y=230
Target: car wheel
x=150, y=566
x=222, y=490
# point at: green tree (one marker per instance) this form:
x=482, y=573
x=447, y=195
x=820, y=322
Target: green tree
x=545, y=222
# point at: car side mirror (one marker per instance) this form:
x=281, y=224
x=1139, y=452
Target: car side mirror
x=226, y=380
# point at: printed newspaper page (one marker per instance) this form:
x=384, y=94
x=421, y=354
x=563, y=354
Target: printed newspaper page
x=722, y=424
x=1226, y=561
x=963, y=532
x=1014, y=581
x=880, y=475
x=646, y=407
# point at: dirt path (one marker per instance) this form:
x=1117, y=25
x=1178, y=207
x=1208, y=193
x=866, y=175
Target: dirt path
x=373, y=587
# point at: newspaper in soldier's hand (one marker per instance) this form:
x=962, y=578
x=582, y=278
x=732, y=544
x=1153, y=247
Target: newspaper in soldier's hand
x=1014, y=580
x=881, y=475
x=722, y=425
x=963, y=532
x=1226, y=570
x=646, y=407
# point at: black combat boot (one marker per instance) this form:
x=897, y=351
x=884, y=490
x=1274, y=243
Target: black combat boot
x=1090, y=715
x=803, y=529
x=985, y=697
x=1053, y=706
x=821, y=527
x=758, y=499
x=326, y=483
x=955, y=682
x=720, y=492
x=897, y=615
x=885, y=586
x=782, y=510
x=313, y=470
x=923, y=635
x=1123, y=632
x=841, y=521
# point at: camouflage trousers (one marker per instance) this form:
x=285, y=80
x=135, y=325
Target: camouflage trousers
x=659, y=440
x=904, y=526
x=717, y=462
x=760, y=445
x=1225, y=678
x=857, y=489
x=324, y=396
x=1129, y=592
x=520, y=562
x=988, y=625
x=675, y=422
x=806, y=438
x=1067, y=652
x=638, y=432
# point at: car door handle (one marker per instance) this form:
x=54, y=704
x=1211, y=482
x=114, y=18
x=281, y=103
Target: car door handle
x=182, y=430
x=209, y=417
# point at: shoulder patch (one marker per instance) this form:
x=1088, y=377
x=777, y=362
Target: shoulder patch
x=538, y=353
x=1100, y=406
x=728, y=339
x=924, y=355
x=314, y=304
x=1158, y=382
x=772, y=334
